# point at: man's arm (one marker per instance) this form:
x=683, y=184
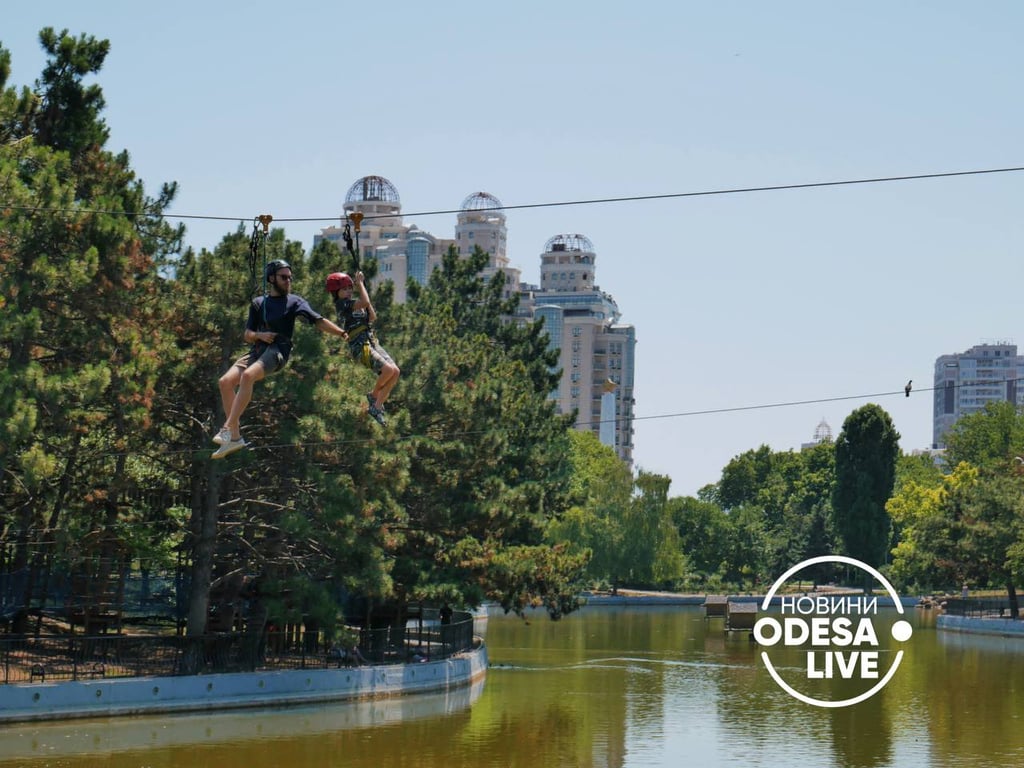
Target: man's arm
x=251, y=336
x=252, y=333
x=326, y=326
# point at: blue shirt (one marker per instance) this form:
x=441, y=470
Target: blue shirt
x=281, y=312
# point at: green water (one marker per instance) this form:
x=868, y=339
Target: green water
x=605, y=687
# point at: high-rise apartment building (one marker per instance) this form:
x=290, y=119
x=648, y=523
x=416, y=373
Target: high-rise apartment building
x=597, y=351
x=596, y=359
x=965, y=382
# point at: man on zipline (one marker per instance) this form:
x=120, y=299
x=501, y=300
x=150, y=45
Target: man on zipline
x=269, y=329
x=356, y=316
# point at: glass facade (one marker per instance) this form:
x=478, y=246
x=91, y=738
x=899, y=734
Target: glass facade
x=418, y=251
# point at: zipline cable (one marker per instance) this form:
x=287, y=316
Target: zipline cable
x=444, y=434
x=562, y=203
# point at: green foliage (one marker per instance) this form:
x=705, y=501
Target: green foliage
x=600, y=490
x=920, y=469
x=967, y=526
x=917, y=512
x=68, y=117
x=705, y=536
x=81, y=330
x=866, y=453
x=776, y=512
x=988, y=439
x=650, y=541
x=486, y=454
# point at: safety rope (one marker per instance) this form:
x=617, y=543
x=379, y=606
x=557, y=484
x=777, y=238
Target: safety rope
x=257, y=243
x=356, y=219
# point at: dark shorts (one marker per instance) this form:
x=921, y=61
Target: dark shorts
x=371, y=355
x=272, y=357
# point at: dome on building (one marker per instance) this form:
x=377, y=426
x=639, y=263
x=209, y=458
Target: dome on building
x=568, y=243
x=823, y=432
x=372, y=188
x=481, y=201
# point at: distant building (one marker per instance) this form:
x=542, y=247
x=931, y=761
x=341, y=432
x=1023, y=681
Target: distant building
x=937, y=455
x=597, y=351
x=966, y=382
x=822, y=434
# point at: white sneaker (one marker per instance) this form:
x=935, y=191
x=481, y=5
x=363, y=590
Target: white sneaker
x=229, y=447
x=224, y=436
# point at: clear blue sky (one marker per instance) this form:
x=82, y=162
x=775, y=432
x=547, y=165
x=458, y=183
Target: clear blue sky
x=738, y=300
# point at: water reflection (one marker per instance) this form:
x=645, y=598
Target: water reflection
x=102, y=738
x=607, y=687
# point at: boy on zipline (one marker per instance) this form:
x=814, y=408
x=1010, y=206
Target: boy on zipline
x=356, y=316
x=269, y=329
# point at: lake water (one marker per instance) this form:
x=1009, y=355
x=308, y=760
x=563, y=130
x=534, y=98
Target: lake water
x=604, y=687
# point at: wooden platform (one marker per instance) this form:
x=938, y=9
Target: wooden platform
x=715, y=606
x=740, y=616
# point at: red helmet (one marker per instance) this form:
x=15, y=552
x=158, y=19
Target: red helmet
x=337, y=281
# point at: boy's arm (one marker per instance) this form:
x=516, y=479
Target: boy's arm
x=364, y=298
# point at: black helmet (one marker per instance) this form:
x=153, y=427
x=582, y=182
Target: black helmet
x=275, y=265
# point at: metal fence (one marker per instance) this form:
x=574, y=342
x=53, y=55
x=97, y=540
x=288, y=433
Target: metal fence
x=982, y=607
x=47, y=658
x=156, y=594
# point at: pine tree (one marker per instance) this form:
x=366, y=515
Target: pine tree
x=79, y=240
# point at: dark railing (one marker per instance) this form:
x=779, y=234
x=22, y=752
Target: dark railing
x=47, y=658
x=982, y=607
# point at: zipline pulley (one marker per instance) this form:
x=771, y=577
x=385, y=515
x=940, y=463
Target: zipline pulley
x=356, y=219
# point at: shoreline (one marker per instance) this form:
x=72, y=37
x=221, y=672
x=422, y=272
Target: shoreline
x=630, y=597
x=115, y=697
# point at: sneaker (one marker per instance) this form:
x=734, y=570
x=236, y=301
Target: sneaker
x=229, y=447
x=224, y=436
x=375, y=412
x=378, y=415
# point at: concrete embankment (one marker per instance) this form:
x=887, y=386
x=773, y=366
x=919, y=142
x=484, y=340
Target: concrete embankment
x=981, y=626
x=68, y=742
x=636, y=598
x=147, y=695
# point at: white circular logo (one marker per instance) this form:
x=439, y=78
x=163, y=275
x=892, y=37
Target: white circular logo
x=840, y=646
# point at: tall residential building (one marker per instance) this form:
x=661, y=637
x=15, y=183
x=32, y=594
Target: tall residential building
x=481, y=223
x=597, y=351
x=965, y=382
x=405, y=252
